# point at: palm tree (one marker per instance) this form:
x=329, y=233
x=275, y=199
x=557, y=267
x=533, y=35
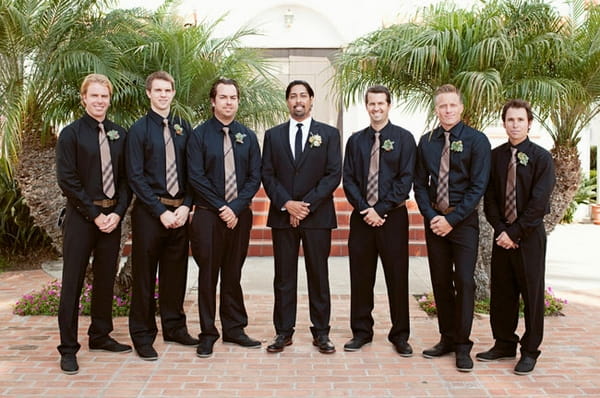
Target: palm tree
x=503, y=50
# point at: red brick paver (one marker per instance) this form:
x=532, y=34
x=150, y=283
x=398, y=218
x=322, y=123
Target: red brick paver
x=568, y=367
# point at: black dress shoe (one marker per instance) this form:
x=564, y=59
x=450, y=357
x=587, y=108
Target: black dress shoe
x=495, y=354
x=438, y=350
x=403, y=348
x=243, y=340
x=68, y=364
x=205, y=348
x=279, y=343
x=147, y=352
x=525, y=366
x=324, y=344
x=110, y=345
x=182, y=338
x=464, y=363
x=356, y=343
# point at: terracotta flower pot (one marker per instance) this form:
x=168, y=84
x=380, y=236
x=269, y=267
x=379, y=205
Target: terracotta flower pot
x=596, y=214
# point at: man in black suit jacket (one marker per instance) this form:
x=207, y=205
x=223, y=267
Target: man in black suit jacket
x=220, y=228
x=301, y=169
x=519, y=251
x=378, y=175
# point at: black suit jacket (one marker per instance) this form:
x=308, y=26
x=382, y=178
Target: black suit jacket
x=396, y=168
x=535, y=182
x=312, y=178
x=206, y=167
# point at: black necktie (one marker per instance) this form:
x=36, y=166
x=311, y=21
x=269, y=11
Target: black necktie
x=298, y=144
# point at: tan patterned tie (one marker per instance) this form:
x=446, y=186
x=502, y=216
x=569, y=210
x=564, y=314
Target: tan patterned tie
x=442, y=193
x=230, y=179
x=510, y=206
x=172, y=182
x=108, y=181
x=373, y=178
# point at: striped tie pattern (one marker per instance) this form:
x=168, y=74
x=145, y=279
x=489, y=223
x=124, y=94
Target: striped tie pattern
x=373, y=178
x=510, y=205
x=442, y=192
x=172, y=183
x=108, y=182
x=230, y=179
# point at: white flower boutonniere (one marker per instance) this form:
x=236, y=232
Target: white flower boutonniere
x=456, y=146
x=388, y=145
x=178, y=129
x=523, y=158
x=239, y=138
x=112, y=135
x=314, y=140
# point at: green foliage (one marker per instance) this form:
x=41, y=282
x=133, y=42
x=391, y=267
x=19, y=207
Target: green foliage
x=46, y=300
x=18, y=233
x=586, y=194
x=553, y=305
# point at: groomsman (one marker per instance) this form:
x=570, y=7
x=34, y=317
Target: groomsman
x=156, y=167
x=452, y=172
x=224, y=174
x=516, y=201
x=91, y=174
x=378, y=175
x=302, y=165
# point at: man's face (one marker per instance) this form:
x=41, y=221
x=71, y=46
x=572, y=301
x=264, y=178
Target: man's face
x=161, y=95
x=378, y=108
x=299, y=102
x=226, y=102
x=448, y=109
x=96, y=100
x=517, y=125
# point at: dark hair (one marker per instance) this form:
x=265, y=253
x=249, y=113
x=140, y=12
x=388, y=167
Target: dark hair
x=293, y=83
x=379, y=89
x=161, y=75
x=518, y=104
x=445, y=89
x=223, y=80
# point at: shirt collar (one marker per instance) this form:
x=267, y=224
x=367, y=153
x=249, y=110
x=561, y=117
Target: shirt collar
x=158, y=118
x=454, y=131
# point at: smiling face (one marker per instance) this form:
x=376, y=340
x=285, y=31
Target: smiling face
x=448, y=109
x=299, y=102
x=96, y=100
x=225, y=103
x=161, y=95
x=517, y=125
x=378, y=109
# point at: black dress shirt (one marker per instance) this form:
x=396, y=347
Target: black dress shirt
x=146, y=160
x=535, y=182
x=206, y=169
x=469, y=171
x=396, y=167
x=78, y=166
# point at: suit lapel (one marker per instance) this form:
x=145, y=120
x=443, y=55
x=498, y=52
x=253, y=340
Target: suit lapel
x=313, y=130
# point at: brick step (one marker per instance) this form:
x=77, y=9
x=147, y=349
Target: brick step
x=416, y=234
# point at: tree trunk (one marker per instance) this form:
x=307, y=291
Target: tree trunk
x=568, y=174
x=484, y=257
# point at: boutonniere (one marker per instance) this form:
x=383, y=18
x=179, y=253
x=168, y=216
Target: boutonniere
x=112, y=135
x=239, y=138
x=388, y=145
x=456, y=146
x=523, y=158
x=178, y=129
x=314, y=140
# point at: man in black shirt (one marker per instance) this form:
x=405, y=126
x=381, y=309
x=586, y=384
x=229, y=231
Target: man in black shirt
x=378, y=175
x=156, y=168
x=91, y=174
x=516, y=200
x=224, y=173
x=452, y=172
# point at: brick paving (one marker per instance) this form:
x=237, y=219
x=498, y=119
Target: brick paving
x=569, y=365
